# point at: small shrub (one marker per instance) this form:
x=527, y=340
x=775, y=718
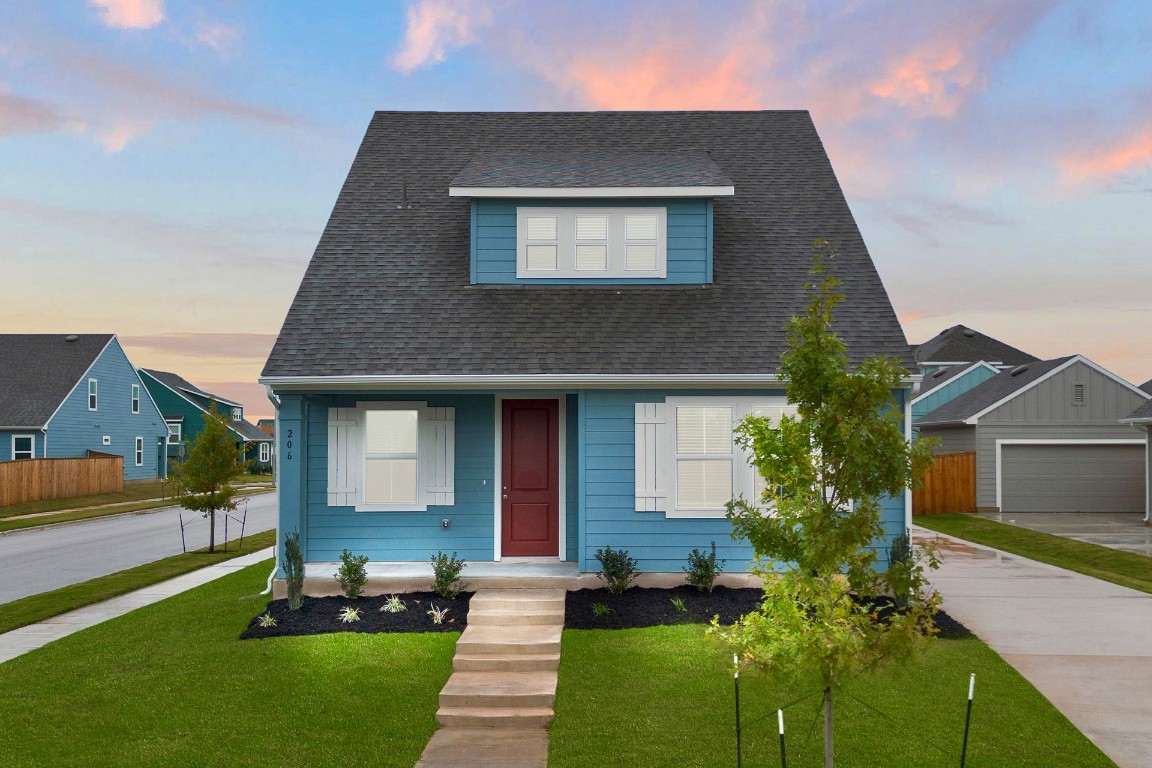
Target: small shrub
x=437, y=614
x=600, y=609
x=293, y=564
x=266, y=620
x=703, y=569
x=617, y=569
x=393, y=604
x=348, y=614
x=678, y=604
x=352, y=575
x=901, y=549
x=447, y=570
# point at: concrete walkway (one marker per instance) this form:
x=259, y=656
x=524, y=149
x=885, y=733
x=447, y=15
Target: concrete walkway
x=1085, y=644
x=29, y=638
x=496, y=706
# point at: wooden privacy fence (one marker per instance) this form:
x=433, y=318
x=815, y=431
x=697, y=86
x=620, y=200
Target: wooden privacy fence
x=36, y=479
x=949, y=486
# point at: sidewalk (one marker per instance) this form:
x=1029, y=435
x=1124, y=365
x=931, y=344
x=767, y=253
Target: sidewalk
x=1084, y=643
x=29, y=638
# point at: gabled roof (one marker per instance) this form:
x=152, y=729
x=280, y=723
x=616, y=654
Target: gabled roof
x=39, y=370
x=960, y=344
x=181, y=385
x=967, y=407
x=584, y=169
x=387, y=299
x=944, y=375
x=250, y=431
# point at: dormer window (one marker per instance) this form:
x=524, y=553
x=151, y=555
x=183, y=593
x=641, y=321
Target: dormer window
x=237, y=414
x=591, y=242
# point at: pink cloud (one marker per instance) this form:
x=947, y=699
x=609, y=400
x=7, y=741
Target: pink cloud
x=1133, y=153
x=933, y=80
x=435, y=27
x=19, y=114
x=130, y=14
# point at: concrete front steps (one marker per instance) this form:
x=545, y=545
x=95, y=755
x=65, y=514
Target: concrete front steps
x=496, y=706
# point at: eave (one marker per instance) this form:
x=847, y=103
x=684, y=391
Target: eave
x=590, y=192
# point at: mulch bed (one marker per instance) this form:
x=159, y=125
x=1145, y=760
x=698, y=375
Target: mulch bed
x=321, y=615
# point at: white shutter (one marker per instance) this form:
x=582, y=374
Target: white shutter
x=438, y=462
x=651, y=463
x=344, y=457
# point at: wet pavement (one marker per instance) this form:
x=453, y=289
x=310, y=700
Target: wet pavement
x=1117, y=530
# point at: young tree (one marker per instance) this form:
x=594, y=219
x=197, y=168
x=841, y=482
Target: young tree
x=205, y=479
x=816, y=526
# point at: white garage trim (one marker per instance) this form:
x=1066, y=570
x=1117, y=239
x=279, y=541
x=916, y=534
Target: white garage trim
x=1001, y=443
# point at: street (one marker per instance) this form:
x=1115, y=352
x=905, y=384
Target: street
x=37, y=560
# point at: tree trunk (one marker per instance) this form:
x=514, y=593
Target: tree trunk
x=828, y=727
x=211, y=530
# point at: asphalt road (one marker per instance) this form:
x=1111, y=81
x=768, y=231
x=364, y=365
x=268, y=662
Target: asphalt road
x=36, y=560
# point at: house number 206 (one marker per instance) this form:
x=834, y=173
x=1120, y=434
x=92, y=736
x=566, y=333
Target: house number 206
x=288, y=445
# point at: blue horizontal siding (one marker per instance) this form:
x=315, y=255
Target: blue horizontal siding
x=689, y=244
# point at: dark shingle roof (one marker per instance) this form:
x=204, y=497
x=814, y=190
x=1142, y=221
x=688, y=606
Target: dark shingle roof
x=1147, y=386
x=387, y=291
x=579, y=168
x=37, y=371
x=990, y=392
x=250, y=431
x=175, y=382
x=960, y=344
x=941, y=377
x=1143, y=412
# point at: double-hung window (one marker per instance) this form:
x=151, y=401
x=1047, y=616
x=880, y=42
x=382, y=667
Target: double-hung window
x=237, y=414
x=265, y=453
x=135, y=398
x=174, y=436
x=392, y=457
x=92, y=389
x=139, y=451
x=23, y=447
x=705, y=458
x=591, y=242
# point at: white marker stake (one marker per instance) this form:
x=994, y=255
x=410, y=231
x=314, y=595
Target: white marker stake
x=968, y=719
x=780, y=719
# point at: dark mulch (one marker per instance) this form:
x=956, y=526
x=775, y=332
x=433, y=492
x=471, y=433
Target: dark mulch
x=649, y=607
x=321, y=615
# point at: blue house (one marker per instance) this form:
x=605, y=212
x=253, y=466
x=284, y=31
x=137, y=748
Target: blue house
x=528, y=336
x=63, y=396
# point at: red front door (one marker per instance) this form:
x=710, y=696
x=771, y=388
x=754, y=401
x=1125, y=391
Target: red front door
x=530, y=494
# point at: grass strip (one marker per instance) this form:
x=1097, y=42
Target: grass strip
x=34, y=608
x=133, y=491
x=663, y=696
x=13, y=524
x=171, y=685
x=1128, y=569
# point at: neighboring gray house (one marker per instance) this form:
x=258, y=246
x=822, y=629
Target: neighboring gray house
x=1048, y=438
x=1141, y=419
x=1147, y=386
x=960, y=345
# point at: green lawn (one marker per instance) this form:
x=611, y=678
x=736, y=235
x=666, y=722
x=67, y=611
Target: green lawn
x=664, y=697
x=1127, y=569
x=170, y=685
x=29, y=610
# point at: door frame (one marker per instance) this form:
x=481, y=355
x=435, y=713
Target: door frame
x=562, y=468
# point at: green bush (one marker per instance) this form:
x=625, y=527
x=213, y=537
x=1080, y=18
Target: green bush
x=446, y=571
x=293, y=564
x=352, y=575
x=703, y=569
x=617, y=569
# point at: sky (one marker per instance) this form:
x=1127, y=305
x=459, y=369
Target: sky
x=166, y=168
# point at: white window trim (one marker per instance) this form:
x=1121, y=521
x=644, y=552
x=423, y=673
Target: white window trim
x=93, y=395
x=421, y=503
x=743, y=473
x=139, y=451
x=265, y=453
x=237, y=414
x=135, y=398
x=178, y=434
x=31, y=439
x=566, y=243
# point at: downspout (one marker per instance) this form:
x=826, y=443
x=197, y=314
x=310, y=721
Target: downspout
x=44, y=429
x=275, y=476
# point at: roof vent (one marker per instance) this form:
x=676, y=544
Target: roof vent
x=939, y=373
x=1018, y=370
x=969, y=332
x=71, y=337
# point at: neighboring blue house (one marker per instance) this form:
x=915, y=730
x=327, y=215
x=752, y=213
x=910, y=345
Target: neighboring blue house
x=529, y=336
x=944, y=384
x=62, y=396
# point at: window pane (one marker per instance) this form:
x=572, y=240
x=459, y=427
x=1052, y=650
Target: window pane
x=640, y=227
x=703, y=484
x=541, y=227
x=541, y=257
x=704, y=430
x=591, y=227
x=390, y=481
x=641, y=257
x=591, y=257
x=22, y=448
x=390, y=432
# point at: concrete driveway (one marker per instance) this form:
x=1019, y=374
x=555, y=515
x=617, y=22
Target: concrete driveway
x=1118, y=530
x=1084, y=643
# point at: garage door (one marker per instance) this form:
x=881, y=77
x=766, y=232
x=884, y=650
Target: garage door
x=1072, y=478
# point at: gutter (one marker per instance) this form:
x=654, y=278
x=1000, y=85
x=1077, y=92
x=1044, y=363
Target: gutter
x=529, y=381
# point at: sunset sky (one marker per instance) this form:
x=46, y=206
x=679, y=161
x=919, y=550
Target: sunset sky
x=166, y=167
